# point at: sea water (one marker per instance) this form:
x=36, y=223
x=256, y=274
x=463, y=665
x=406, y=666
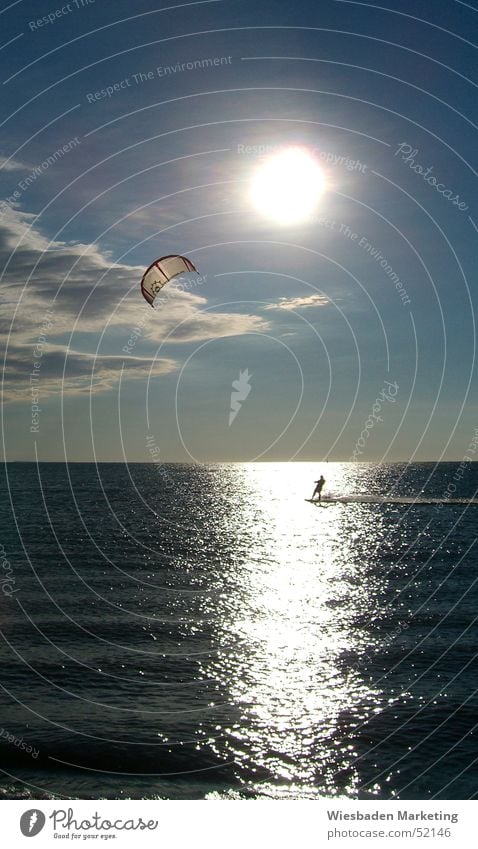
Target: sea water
x=190, y=632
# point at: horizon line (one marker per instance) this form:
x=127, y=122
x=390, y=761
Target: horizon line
x=231, y=462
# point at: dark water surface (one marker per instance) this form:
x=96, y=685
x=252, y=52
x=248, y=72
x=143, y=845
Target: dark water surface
x=193, y=631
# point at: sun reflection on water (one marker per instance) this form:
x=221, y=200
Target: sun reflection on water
x=291, y=673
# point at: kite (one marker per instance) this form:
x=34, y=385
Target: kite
x=161, y=272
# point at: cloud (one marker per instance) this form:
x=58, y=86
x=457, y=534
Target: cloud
x=210, y=325
x=81, y=282
x=60, y=371
x=10, y=164
x=299, y=303
x=84, y=291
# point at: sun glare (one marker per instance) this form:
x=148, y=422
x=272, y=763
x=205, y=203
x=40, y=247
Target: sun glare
x=288, y=186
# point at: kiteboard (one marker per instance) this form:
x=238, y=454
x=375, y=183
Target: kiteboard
x=319, y=503
x=409, y=500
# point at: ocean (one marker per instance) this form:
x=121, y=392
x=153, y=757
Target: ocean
x=199, y=632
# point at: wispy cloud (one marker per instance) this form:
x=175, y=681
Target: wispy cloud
x=215, y=325
x=299, y=303
x=10, y=164
x=67, y=372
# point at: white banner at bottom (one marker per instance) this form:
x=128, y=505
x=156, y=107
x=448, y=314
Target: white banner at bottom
x=235, y=824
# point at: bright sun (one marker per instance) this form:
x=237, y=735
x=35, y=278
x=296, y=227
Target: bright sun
x=288, y=186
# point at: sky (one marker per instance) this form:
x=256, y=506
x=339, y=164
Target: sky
x=130, y=131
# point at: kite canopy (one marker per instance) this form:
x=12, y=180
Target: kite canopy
x=161, y=272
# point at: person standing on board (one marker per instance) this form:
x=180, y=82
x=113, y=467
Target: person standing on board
x=318, y=487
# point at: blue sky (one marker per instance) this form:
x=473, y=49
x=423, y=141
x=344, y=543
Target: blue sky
x=132, y=130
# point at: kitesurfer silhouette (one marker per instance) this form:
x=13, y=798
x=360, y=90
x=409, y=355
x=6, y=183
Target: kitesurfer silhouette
x=318, y=487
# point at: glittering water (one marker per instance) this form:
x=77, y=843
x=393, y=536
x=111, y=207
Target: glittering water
x=184, y=631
